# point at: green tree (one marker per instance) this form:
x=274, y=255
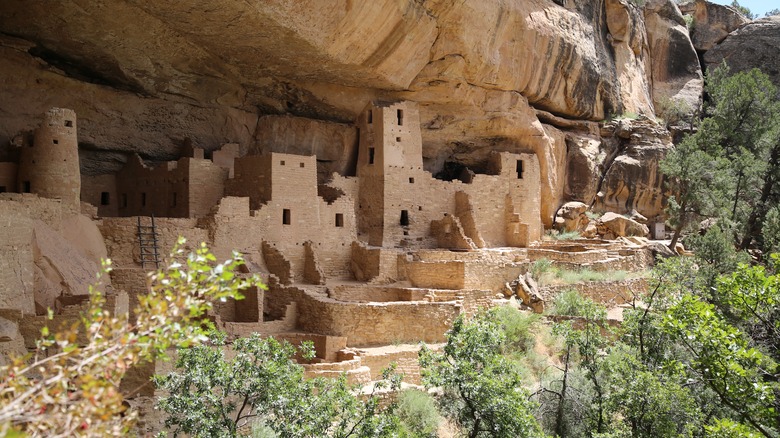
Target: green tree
x=720, y=356
x=71, y=388
x=743, y=10
x=211, y=396
x=483, y=391
x=714, y=172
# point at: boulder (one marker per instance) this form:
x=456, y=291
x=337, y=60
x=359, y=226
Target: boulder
x=754, y=45
x=571, y=217
x=711, y=22
x=528, y=291
x=613, y=225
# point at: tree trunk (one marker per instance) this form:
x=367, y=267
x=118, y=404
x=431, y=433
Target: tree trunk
x=680, y=225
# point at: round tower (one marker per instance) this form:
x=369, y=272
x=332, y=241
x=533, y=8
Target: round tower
x=50, y=166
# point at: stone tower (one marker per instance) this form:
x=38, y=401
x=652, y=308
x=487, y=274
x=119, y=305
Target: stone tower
x=389, y=154
x=389, y=137
x=50, y=167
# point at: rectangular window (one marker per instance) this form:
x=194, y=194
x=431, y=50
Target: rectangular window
x=411, y=180
x=26, y=187
x=400, y=114
x=105, y=198
x=302, y=165
x=68, y=123
x=282, y=162
x=124, y=200
x=404, y=218
x=370, y=155
x=55, y=141
x=519, y=169
x=286, y=220
x=339, y=220
x=173, y=199
x=370, y=116
x=398, y=139
x=143, y=199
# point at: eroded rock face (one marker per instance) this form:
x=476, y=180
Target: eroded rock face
x=145, y=77
x=711, y=22
x=677, y=79
x=755, y=45
x=631, y=179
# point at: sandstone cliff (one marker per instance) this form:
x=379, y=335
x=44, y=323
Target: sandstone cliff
x=500, y=75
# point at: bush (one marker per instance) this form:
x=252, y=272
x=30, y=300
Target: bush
x=539, y=268
x=71, y=388
x=211, y=395
x=483, y=392
x=568, y=303
x=518, y=327
x=418, y=414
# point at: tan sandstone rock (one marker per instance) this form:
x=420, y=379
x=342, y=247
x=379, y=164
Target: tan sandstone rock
x=613, y=225
x=711, y=22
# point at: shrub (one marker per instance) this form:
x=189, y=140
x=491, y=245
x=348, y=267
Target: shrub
x=418, y=414
x=211, y=395
x=518, y=327
x=540, y=267
x=568, y=303
x=72, y=389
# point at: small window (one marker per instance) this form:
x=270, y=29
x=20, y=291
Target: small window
x=55, y=141
x=404, y=218
x=174, y=195
x=398, y=139
x=286, y=216
x=282, y=162
x=519, y=169
x=105, y=198
x=400, y=114
x=124, y=200
x=370, y=116
x=302, y=165
x=339, y=220
x=68, y=123
x=26, y=187
x=370, y=155
x=411, y=180
x=143, y=199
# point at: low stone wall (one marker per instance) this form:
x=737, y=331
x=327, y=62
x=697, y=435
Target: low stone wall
x=609, y=293
x=368, y=324
x=405, y=358
x=438, y=275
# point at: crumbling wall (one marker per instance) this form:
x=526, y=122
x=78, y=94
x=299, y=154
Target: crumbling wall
x=374, y=323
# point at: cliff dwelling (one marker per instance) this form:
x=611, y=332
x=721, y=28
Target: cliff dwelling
x=390, y=255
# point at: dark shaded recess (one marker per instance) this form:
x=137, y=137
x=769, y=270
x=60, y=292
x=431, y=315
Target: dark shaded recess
x=109, y=74
x=680, y=66
x=452, y=170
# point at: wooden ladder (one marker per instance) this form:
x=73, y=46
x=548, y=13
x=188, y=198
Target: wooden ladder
x=147, y=242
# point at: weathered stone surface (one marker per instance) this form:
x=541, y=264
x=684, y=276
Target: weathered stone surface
x=754, y=45
x=711, y=22
x=571, y=217
x=61, y=268
x=334, y=144
x=479, y=70
x=112, y=123
x=631, y=179
x=613, y=225
x=675, y=72
x=584, y=158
